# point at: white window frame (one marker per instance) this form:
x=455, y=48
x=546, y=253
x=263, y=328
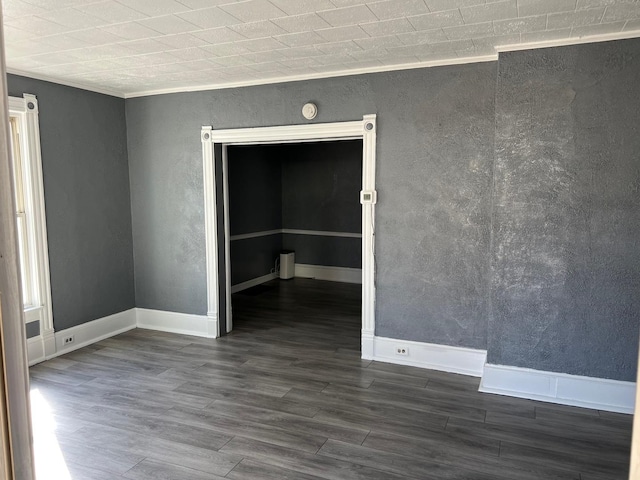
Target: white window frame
x=25, y=109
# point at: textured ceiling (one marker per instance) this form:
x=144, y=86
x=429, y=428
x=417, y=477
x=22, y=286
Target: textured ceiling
x=131, y=47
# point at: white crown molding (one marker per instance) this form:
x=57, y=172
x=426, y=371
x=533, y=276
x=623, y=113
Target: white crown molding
x=564, y=42
x=341, y=73
x=562, y=388
x=315, y=76
x=62, y=81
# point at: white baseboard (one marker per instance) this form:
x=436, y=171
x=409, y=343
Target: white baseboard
x=466, y=361
x=578, y=391
x=253, y=282
x=94, y=331
x=183, y=323
x=333, y=274
x=35, y=350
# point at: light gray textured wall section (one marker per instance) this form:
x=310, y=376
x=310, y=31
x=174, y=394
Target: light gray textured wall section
x=433, y=216
x=167, y=204
x=86, y=187
x=566, y=263
x=435, y=148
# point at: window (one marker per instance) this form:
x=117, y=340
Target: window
x=31, y=224
x=24, y=217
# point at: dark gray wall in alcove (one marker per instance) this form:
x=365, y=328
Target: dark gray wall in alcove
x=255, y=205
x=306, y=186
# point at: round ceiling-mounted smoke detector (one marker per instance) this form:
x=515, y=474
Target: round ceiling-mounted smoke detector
x=309, y=111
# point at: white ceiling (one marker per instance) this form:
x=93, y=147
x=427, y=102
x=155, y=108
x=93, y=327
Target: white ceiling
x=133, y=47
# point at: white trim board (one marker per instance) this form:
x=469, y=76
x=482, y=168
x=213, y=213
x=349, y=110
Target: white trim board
x=94, y=331
x=174, y=322
x=35, y=350
x=292, y=231
x=247, y=236
x=575, y=390
x=314, y=76
x=341, y=73
x=253, y=282
x=331, y=274
x=465, y=361
x=41, y=348
x=364, y=129
x=321, y=233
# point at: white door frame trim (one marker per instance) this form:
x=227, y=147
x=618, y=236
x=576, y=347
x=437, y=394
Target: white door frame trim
x=364, y=129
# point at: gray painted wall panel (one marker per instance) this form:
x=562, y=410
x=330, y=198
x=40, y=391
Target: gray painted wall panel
x=552, y=272
x=435, y=153
x=86, y=187
x=566, y=264
x=167, y=205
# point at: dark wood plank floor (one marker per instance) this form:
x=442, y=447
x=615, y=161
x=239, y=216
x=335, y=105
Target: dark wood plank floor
x=286, y=396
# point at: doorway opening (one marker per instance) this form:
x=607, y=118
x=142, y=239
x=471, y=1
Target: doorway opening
x=215, y=145
x=295, y=223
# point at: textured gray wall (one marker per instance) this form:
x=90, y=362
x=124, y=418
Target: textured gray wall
x=552, y=273
x=86, y=187
x=566, y=263
x=435, y=148
x=255, y=205
x=433, y=215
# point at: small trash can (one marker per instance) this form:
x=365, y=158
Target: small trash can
x=287, y=264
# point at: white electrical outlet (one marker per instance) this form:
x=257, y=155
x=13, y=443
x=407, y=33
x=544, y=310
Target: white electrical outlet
x=401, y=350
x=68, y=340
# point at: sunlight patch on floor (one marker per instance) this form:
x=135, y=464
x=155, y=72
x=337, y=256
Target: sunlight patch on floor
x=50, y=463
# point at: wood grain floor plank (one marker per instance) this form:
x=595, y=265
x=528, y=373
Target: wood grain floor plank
x=287, y=396
x=155, y=470
x=321, y=466
x=252, y=470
